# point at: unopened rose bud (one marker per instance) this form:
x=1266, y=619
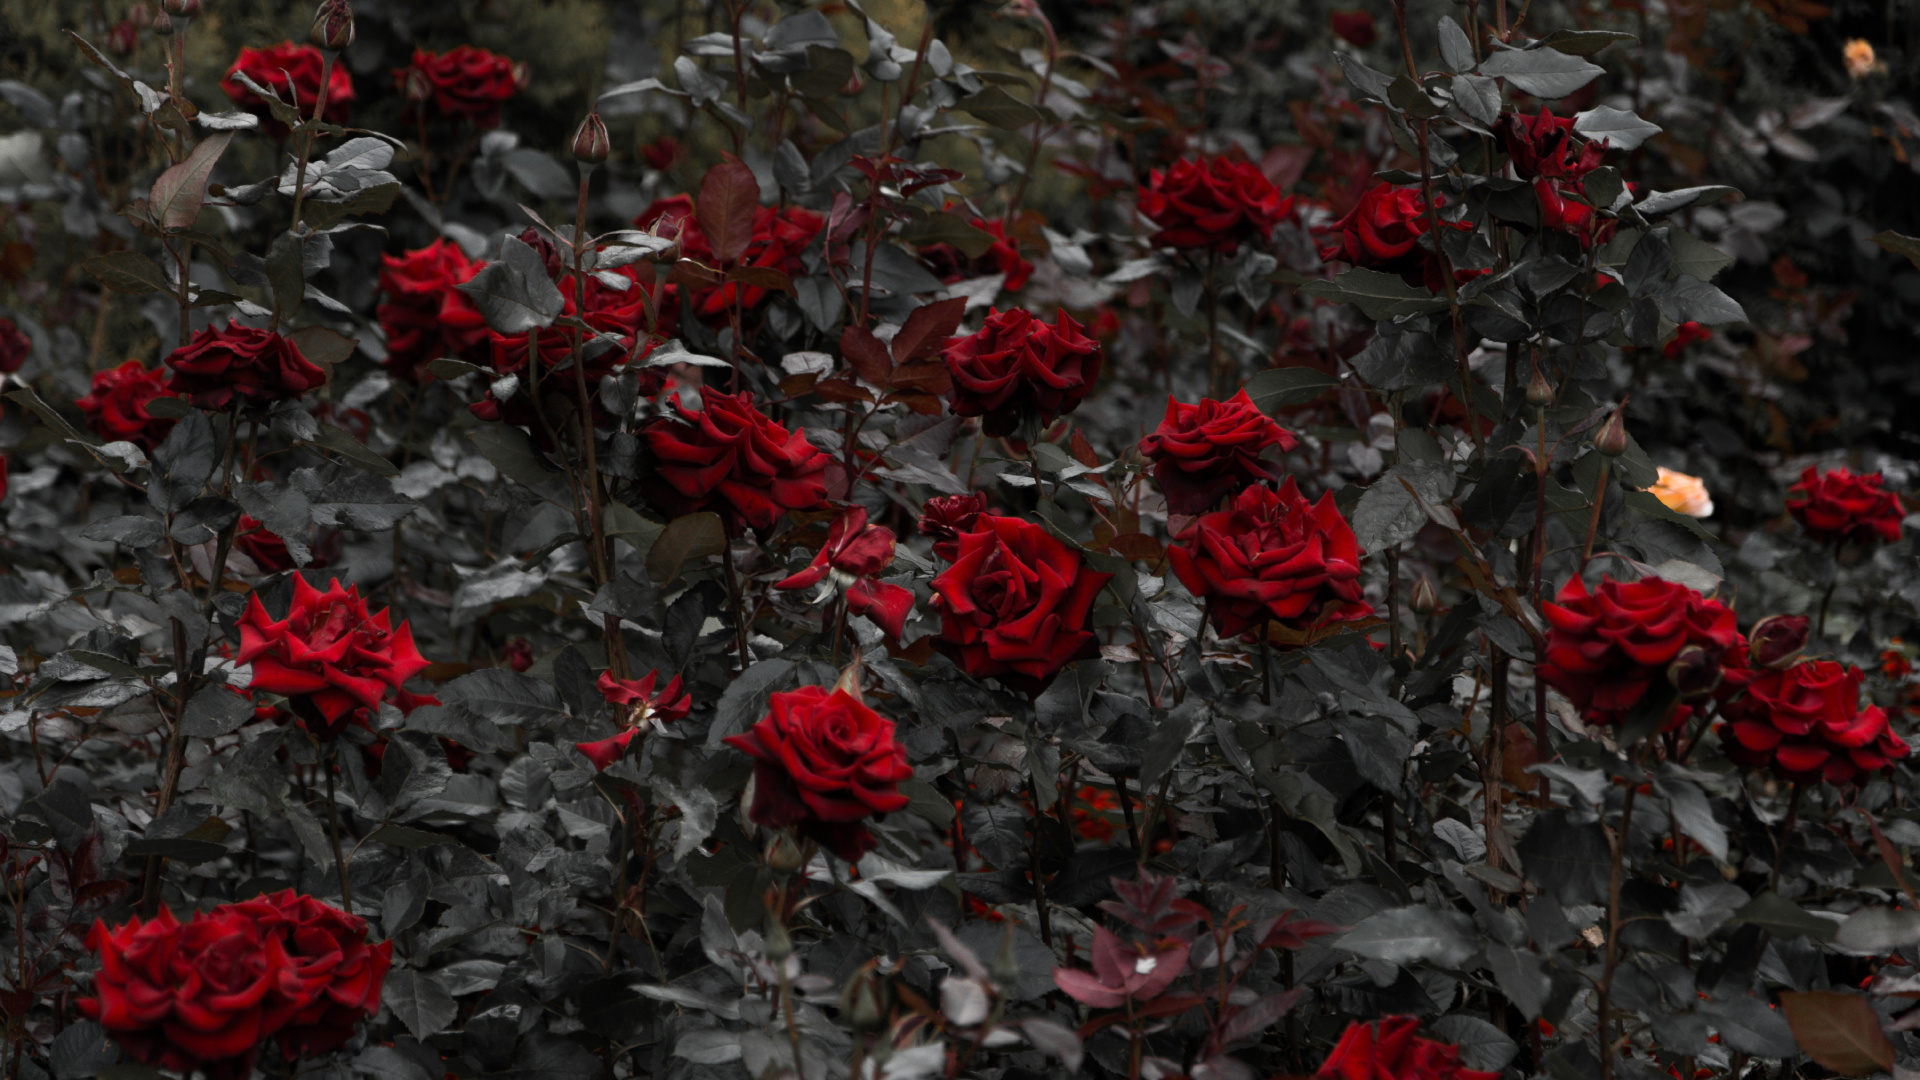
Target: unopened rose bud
x=522, y=75
x=1539, y=391
x=1611, y=439
x=417, y=89
x=862, y=1000
x=591, y=144
x=783, y=856
x=141, y=17
x=1424, y=598
x=1777, y=640
x=1006, y=966
x=332, y=26
x=779, y=944
x=162, y=24
x=187, y=8
x=1695, y=673
x=548, y=251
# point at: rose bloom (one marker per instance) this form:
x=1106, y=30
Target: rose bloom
x=780, y=234
x=15, y=347
x=731, y=458
x=1682, y=494
x=853, y=554
x=1607, y=648
x=424, y=315
x=466, y=81
x=950, y=264
x=1213, y=203
x=268, y=551
x=1390, y=1049
x=663, y=153
x=329, y=656
x=116, y=408
x=1545, y=145
x=293, y=72
x=1836, y=506
x=822, y=764
x=641, y=705
x=1273, y=557
x=200, y=995
x=1016, y=369
x=945, y=517
x=1807, y=724
x=1687, y=333
x=1858, y=57
x=1203, y=452
x=1562, y=211
x=1015, y=604
x=1356, y=27
x=338, y=973
x=259, y=366
x=1382, y=232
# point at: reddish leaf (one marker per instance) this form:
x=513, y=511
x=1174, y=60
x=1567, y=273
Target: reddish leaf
x=1251, y=1020
x=1083, y=450
x=1137, y=547
x=728, y=197
x=841, y=390
x=1289, y=932
x=929, y=377
x=695, y=275
x=924, y=404
x=795, y=385
x=766, y=277
x=1840, y=1031
x=928, y=328
x=176, y=197
x=1082, y=987
x=867, y=354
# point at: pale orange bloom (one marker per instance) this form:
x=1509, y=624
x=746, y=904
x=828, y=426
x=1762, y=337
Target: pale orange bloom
x=1683, y=494
x=1858, y=55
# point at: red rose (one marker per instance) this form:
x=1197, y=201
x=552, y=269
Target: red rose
x=1562, y=210
x=731, y=458
x=1015, y=603
x=1687, y=333
x=329, y=656
x=424, y=315
x=269, y=552
x=1274, y=557
x=15, y=347
x=116, y=408
x=1355, y=26
x=641, y=705
x=1836, y=506
x=201, y=995
x=1545, y=145
x=466, y=81
x=854, y=552
x=618, y=315
x=1776, y=641
x=1807, y=723
x=1203, y=452
x=823, y=763
x=1017, y=368
x=258, y=365
x=1214, y=203
x=1606, y=648
x=293, y=72
x=338, y=974
x=518, y=654
x=779, y=236
x=1390, y=1049
x=663, y=153
x=945, y=517
x=950, y=264
x=1382, y=232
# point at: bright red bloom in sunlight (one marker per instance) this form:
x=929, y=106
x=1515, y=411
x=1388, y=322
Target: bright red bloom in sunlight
x=1214, y=202
x=1838, y=505
x=641, y=704
x=1390, y=1049
x=1272, y=557
x=823, y=764
x=1201, y=453
x=329, y=656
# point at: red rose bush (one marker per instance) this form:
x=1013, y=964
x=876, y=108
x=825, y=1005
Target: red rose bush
x=1273, y=557
x=330, y=656
x=1213, y=203
x=1609, y=646
x=116, y=407
x=1201, y=453
x=823, y=763
x=1014, y=605
x=1806, y=723
x=257, y=366
x=1016, y=370
x=729, y=457
x=1836, y=506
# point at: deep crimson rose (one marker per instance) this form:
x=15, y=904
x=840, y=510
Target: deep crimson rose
x=1777, y=640
x=663, y=153
x=519, y=654
x=950, y=264
x=1545, y=145
x=268, y=551
x=293, y=72
x=1607, y=648
x=641, y=705
x=200, y=995
x=116, y=407
x=466, y=81
x=338, y=974
x=854, y=552
x=1355, y=26
x=1201, y=453
x=1391, y=1049
x=1382, y=232
x=729, y=457
x=780, y=234
x=259, y=366
x=1806, y=722
x=945, y=517
x=424, y=315
x=1017, y=369
x=15, y=346
x=1562, y=210
x=822, y=764
x=1276, y=557
x=1015, y=604
x=1837, y=505
x=1212, y=203
x=329, y=656
x=1687, y=333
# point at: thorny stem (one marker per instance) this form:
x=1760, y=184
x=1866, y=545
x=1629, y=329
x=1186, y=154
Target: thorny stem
x=170, y=772
x=1593, y=520
x=306, y=142
x=1496, y=750
x=602, y=561
x=1619, y=842
x=1393, y=605
x=333, y=830
x=1786, y=834
x=1038, y=137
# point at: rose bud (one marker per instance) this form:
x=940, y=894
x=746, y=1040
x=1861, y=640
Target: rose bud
x=1539, y=391
x=1611, y=439
x=779, y=943
x=1777, y=640
x=418, y=89
x=163, y=24
x=783, y=856
x=1695, y=672
x=862, y=1000
x=332, y=25
x=1423, y=600
x=591, y=144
